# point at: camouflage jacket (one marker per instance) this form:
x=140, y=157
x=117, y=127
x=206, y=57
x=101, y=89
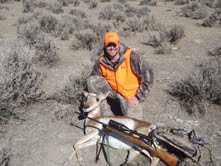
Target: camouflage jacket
x=140, y=68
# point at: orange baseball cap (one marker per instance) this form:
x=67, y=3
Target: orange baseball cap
x=111, y=37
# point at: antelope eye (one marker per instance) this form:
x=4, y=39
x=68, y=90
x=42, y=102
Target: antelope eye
x=97, y=99
x=84, y=97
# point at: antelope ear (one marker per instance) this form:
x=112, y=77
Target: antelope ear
x=103, y=96
x=85, y=93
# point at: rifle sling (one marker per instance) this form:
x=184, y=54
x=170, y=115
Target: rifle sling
x=106, y=148
x=98, y=151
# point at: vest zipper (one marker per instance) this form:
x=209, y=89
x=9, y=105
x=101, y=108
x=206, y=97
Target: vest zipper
x=116, y=80
x=114, y=67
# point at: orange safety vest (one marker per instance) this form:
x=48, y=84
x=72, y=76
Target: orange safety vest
x=124, y=81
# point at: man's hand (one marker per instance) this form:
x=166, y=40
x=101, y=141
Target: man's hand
x=132, y=102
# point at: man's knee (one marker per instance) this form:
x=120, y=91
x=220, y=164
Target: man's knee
x=136, y=112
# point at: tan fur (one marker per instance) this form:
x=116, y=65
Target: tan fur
x=91, y=105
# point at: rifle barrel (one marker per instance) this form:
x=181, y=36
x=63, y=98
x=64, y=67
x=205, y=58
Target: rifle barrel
x=91, y=118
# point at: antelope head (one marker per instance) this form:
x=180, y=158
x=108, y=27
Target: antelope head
x=92, y=101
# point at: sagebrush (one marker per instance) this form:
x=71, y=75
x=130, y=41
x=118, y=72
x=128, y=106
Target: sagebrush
x=201, y=88
x=20, y=82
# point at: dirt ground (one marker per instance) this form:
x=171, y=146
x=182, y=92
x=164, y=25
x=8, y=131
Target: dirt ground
x=43, y=140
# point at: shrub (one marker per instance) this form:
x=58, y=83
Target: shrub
x=213, y=3
x=67, y=2
x=72, y=91
x=164, y=48
x=119, y=7
x=188, y=93
x=86, y=1
x=28, y=5
x=139, y=12
x=140, y=24
x=217, y=4
x=101, y=28
x=154, y=40
x=181, y=2
x=19, y=81
x=215, y=52
x=45, y=50
x=25, y=19
x=204, y=86
x=79, y=23
x=64, y=28
x=48, y=23
x=108, y=13
x=29, y=32
x=3, y=1
x=175, y=33
x=56, y=7
x=165, y=37
x=122, y=1
x=213, y=19
x=78, y=13
x=134, y=24
x=159, y=42
x=148, y=2
x=194, y=11
x=93, y=4
x=69, y=97
x=130, y=11
x=2, y=17
x=5, y=154
x=210, y=77
x=75, y=43
x=138, y=19
x=40, y=4
x=76, y=2
x=85, y=39
x=105, y=0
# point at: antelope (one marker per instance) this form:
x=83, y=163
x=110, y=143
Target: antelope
x=94, y=130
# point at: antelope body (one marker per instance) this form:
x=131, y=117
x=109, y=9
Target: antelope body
x=94, y=131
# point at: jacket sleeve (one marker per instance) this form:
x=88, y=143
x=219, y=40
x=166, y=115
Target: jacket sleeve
x=142, y=70
x=96, y=69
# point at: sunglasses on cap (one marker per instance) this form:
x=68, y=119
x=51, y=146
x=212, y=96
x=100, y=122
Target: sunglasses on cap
x=111, y=45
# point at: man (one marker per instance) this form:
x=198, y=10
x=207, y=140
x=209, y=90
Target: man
x=129, y=78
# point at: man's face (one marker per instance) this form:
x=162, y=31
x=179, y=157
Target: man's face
x=112, y=49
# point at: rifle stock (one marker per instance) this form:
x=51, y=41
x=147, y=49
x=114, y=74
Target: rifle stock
x=167, y=158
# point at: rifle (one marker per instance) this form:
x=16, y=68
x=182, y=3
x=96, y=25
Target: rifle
x=138, y=139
